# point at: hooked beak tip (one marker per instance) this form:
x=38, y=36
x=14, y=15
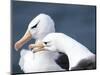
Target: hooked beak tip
x=23, y=40
x=17, y=46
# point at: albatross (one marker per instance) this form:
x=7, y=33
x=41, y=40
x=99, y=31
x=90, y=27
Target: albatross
x=80, y=57
x=41, y=61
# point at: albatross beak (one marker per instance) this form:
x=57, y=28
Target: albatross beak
x=38, y=46
x=23, y=40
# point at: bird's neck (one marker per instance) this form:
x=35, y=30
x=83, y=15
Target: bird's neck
x=76, y=54
x=43, y=34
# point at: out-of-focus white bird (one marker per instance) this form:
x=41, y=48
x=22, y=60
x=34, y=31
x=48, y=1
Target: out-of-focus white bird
x=79, y=56
x=41, y=61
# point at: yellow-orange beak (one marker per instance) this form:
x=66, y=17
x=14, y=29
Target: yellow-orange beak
x=23, y=40
x=38, y=46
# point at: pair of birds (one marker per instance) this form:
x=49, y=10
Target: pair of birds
x=42, y=28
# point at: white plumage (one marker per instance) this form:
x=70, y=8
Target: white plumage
x=38, y=62
x=75, y=50
x=44, y=60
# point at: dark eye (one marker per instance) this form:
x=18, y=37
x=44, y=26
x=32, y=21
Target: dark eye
x=35, y=25
x=45, y=43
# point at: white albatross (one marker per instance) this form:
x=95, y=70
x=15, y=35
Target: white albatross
x=41, y=61
x=79, y=56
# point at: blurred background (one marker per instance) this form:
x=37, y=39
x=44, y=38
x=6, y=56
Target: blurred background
x=77, y=21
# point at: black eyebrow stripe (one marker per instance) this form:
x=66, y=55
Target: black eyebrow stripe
x=35, y=25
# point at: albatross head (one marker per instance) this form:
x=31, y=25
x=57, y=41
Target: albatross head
x=38, y=28
x=54, y=42
x=50, y=42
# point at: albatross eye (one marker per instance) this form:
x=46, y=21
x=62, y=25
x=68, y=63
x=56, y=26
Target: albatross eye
x=45, y=43
x=35, y=25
